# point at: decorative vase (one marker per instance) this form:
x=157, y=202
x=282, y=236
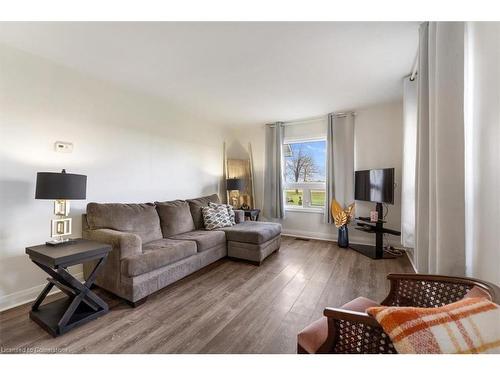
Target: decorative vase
x=343, y=237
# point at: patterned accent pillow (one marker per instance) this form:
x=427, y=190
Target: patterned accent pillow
x=229, y=209
x=471, y=325
x=215, y=217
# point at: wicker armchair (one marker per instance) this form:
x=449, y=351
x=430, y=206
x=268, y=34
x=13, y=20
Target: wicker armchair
x=357, y=332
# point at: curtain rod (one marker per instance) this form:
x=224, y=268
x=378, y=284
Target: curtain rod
x=310, y=119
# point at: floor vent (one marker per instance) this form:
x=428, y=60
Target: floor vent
x=301, y=239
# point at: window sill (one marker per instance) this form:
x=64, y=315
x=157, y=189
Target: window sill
x=317, y=210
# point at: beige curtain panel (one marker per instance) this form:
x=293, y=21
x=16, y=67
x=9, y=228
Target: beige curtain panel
x=440, y=203
x=339, y=161
x=273, y=188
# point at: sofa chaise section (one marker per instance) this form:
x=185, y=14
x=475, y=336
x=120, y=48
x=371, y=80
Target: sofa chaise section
x=253, y=240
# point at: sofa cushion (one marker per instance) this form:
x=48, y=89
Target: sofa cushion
x=256, y=232
x=175, y=217
x=195, y=206
x=312, y=338
x=157, y=254
x=140, y=219
x=204, y=239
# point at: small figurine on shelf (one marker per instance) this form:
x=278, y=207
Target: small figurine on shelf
x=245, y=205
x=342, y=217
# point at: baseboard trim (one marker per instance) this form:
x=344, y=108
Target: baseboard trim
x=22, y=297
x=410, y=258
x=308, y=235
x=319, y=236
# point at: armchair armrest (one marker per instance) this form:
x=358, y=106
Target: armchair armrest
x=352, y=316
x=239, y=216
x=126, y=244
x=356, y=332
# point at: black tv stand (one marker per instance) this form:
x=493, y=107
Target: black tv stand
x=365, y=225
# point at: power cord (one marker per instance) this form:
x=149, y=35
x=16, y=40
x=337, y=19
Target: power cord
x=391, y=250
x=394, y=252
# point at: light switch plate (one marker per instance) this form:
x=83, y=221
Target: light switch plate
x=65, y=147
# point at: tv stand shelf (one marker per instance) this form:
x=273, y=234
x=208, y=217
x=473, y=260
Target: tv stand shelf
x=365, y=225
x=375, y=229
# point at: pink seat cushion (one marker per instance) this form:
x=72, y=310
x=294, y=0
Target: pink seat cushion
x=477, y=292
x=315, y=334
x=359, y=304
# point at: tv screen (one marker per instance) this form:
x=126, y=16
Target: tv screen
x=374, y=185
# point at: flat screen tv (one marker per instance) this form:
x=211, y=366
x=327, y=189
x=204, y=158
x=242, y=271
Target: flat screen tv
x=374, y=185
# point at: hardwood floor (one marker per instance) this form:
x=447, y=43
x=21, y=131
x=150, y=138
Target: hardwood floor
x=227, y=307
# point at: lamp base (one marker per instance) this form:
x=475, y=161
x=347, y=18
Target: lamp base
x=68, y=241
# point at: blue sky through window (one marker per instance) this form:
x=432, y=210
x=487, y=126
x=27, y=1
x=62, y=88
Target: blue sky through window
x=313, y=166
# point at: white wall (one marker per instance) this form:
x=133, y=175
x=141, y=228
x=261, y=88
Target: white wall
x=378, y=144
x=132, y=147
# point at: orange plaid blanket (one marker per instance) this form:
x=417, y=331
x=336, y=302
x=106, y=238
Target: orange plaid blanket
x=471, y=325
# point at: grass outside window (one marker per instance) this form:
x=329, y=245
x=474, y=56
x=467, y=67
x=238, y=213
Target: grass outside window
x=294, y=198
x=318, y=198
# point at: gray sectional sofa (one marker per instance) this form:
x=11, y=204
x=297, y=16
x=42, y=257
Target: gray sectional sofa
x=156, y=244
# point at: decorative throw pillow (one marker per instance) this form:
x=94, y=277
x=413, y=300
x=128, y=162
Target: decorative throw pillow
x=215, y=217
x=471, y=325
x=229, y=209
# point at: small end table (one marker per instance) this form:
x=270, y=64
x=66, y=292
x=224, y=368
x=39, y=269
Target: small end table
x=80, y=304
x=253, y=214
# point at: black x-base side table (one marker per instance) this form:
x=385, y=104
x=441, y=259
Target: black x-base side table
x=80, y=304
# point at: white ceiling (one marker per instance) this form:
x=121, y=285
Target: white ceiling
x=236, y=73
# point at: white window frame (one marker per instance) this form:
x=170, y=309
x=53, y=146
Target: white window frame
x=306, y=187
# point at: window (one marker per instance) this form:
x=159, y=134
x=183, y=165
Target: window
x=304, y=174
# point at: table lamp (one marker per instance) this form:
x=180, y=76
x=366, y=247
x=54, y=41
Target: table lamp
x=233, y=186
x=61, y=187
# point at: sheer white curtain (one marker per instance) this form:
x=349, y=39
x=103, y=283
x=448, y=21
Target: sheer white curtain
x=482, y=133
x=273, y=188
x=440, y=188
x=339, y=161
x=409, y=162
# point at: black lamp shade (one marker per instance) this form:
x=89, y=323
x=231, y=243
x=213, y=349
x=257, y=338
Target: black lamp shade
x=234, y=184
x=60, y=186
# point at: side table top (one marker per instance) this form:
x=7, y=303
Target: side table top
x=67, y=255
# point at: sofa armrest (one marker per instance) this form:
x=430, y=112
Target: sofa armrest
x=239, y=216
x=127, y=244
